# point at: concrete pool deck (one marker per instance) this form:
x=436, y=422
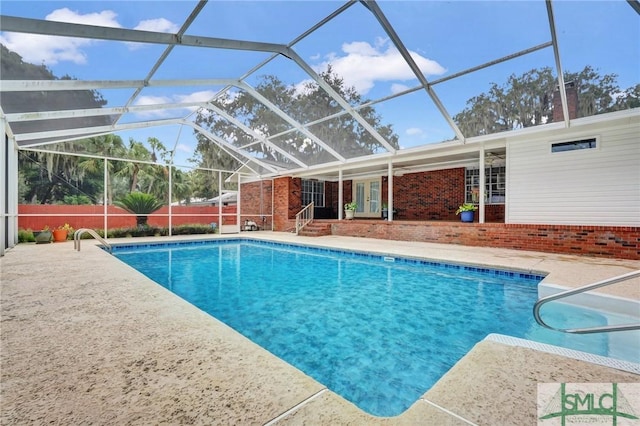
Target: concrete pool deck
x=86, y=339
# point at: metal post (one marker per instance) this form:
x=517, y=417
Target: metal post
x=170, y=195
x=482, y=189
x=219, y=202
x=390, y=191
x=340, y=194
x=105, y=183
x=4, y=189
x=238, y=215
x=12, y=200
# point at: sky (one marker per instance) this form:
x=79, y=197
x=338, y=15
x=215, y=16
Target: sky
x=443, y=38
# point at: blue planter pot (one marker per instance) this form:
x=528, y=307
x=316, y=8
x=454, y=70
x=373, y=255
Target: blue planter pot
x=467, y=216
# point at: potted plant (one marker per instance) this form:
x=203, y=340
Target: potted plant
x=350, y=209
x=61, y=233
x=43, y=236
x=466, y=212
x=385, y=211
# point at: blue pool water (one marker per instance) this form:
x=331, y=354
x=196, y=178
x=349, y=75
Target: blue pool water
x=378, y=331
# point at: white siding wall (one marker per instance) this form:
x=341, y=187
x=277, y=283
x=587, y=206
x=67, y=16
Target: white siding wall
x=598, y=186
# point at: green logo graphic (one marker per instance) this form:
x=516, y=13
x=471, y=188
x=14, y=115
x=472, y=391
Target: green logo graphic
x=575, y=406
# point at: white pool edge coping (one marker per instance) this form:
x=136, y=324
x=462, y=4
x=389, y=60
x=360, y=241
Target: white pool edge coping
x=627, y=366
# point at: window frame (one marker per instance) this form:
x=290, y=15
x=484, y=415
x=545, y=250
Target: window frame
x=495, y=184
x=312, y=190
x=595, y=140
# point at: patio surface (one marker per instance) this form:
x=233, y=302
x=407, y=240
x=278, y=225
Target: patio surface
x=86, y=339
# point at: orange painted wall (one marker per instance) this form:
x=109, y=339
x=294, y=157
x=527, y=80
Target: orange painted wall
x=91, y=216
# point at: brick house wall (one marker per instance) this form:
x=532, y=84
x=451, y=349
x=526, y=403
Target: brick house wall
x=433, y=195
x=597, y=241
x=287, y=196
x=257, y=198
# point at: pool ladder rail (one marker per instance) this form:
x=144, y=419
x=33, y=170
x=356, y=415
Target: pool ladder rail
x=563, y=294
x=78, y=234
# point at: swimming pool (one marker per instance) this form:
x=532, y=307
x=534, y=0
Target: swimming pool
x=380, y=331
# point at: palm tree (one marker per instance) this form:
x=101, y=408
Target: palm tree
x=136, y=152
x=109, y=145
x=141, y=204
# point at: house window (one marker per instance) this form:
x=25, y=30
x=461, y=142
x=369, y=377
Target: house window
x=312, y=190
x=573, y=145
x=494, y=188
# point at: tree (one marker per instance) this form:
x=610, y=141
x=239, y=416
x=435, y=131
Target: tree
x=12, y=67
x=307, y=104
x=141, y=204
x=131, y=170
x=48, y=177
x=527, y=100
x=108, y=145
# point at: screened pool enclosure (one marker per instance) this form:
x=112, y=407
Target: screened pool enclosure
x=189, y=100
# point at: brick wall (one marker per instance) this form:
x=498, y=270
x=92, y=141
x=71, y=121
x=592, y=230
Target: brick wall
x=599, y=241
x=295, y=198
x=432, y=195
x=281, y=194
x=256, y=203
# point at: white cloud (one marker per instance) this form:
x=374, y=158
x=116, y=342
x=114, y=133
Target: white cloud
x=414, y=131
x=38, y=49
x=152, y=100
x=362, y=65
x=184, y=148
x=397, y=88
x=202, y=96
x=304, y=86
x=51, y=50
x=159, y=25
x=106, y=18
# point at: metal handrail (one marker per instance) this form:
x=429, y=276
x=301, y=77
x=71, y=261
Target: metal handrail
x=303, y=217
x=94, y=234
x=562, y=295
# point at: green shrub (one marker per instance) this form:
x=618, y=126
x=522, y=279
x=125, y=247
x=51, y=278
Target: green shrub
x=26, y=236
x=195, y=228
x=150, y=231
x=76, y=200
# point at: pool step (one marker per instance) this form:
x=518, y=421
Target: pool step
x=315, y=229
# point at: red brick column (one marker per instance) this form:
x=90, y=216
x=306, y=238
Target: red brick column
x=287, y=201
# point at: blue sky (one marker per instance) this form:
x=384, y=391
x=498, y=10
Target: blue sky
x=443, y=37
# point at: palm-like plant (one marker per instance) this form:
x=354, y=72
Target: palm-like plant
x=141, y=204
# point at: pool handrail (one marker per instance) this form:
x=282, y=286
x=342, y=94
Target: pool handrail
x=593, y=286
x=94, y=234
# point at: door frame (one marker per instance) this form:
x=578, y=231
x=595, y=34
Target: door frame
x=365, y=212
